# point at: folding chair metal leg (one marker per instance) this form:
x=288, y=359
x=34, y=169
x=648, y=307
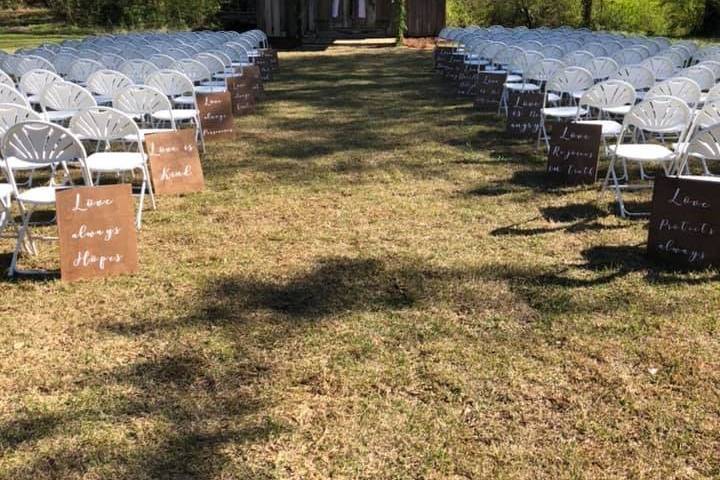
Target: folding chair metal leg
x=12, y=270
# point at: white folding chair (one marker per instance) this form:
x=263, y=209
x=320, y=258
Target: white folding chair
x=565, y=84
x=600, y=97
x=180, y=89
x=63, y=61
x=48, y=146
x=34, y=82
x=61, y=100
x=140, y=102
x=162, y=61
x=11, y=114
x=658, y=116
x=602, y=68
x=110, y=127
x=104, y=84
x=661, y=67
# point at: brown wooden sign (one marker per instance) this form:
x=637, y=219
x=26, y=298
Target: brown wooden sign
x=175, y=162
x=242, y=94
x=573, y=156
x=685, y=222
x=252, y=76
x=524, y=113
x=272, y=55
x=96, y=227
x=467, y=82
x=456, y=64
x=441, y=57
x=488, y=91
x=216, y=116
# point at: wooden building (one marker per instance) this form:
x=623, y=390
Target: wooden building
x=298, y=18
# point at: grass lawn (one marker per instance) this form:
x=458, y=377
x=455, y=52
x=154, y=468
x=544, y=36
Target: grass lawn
x=21, y=28
x=376, y=283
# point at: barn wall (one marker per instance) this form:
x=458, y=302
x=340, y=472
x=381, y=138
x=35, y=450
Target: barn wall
x=425, y=18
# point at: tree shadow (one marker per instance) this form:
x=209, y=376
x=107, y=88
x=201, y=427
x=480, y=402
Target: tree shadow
x=577, y=218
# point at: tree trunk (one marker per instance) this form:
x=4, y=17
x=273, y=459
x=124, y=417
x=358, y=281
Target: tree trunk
x=587, y=13
x=711, y=18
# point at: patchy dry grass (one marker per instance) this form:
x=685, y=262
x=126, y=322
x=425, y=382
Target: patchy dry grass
x=376, y=284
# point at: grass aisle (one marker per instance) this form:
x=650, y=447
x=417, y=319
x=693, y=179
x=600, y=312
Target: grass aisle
x=376, y=284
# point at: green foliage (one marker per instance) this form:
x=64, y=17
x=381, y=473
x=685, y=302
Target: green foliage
x=136, y=13
x=658, y=17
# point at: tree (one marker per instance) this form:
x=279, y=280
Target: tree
x=587, y=6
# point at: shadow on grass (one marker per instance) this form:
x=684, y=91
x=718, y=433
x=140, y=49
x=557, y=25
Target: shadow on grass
x=577, y=217
x=203, y=402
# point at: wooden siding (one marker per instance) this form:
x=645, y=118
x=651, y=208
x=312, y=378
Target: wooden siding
x=425, y=18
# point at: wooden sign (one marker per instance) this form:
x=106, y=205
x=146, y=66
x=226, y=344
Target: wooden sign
x=242, y=94
x=441, y=57
x=524, y=113
x=573, y=156
x=251, y=75
x=685, y=221
x=488, y=91
x=263, y=63
x=467, y=82
x=96, y=226
x=174, y=162
x=216, y=116
x=272, y=56
x=456, y=64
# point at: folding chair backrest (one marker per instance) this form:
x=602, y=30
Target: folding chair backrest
x=66, y=96
x=141, y=100
x=636, y=75
x=680, y=87
x=138, y=70
x=81, y=70
x=171, y=82
x=107, y=82
x=211, y=61
x=712, y=65
x=608, y=94
x=659, y=115
x=602, y=67
x=12, y=114
x=570, y=80
x=578, y=58
x=162, y=61
x=177, y=53
x=705, y=144
x=43, y=143
x=701, y=74
x=104, y=124
x=35, y=81
x=32, y=63
x=112, y=61
x=195, y=70
x=63, y=61
x=707, y=116
x=6, y=80
x=596, y=49
x=544, y=70
x=713, y=93
x=552, y=51
x=628, y=57
x=661, y=67
x=9, y=95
